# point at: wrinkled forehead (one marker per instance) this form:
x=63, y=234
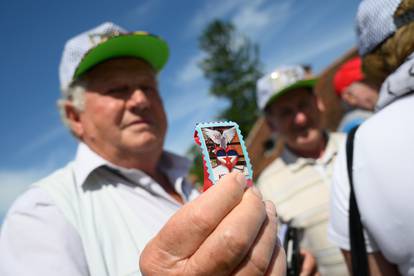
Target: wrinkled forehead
x=292, y=98
x=122, y=68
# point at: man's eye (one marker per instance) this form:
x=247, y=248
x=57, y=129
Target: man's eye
x=148, y=88
x=117, y=90
x=285, y=113
x=303, y=105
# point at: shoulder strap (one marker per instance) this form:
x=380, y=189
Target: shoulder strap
x=358, y=250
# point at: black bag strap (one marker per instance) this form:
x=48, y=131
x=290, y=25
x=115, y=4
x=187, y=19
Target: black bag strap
x=358, y=250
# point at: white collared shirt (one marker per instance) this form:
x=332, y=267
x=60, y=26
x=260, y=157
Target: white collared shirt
x=36, y=238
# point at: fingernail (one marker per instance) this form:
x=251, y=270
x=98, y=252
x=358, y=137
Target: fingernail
x=241, y=179
x=256, y=191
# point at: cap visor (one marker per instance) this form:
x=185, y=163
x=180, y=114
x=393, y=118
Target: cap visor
x=148, y=47
x=309, y=83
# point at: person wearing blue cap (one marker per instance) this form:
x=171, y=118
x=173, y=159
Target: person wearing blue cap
x=123, y=206
x=371, y=205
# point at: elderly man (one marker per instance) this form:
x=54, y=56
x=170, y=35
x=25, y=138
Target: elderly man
x=122, y=206
x=298, y=182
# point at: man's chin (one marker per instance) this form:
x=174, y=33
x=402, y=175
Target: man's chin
x=310, y=138
x=146, y=142
x=303, y=137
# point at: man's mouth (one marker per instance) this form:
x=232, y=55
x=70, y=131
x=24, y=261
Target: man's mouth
x=301, y=130
x=138, y=122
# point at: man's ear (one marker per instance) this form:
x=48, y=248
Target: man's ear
x=73, y=118
x=271, y=124
x=320, y=104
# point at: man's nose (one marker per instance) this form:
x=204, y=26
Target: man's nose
x=138, y=99
x=300, y=118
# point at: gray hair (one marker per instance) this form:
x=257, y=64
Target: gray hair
x=74, y=94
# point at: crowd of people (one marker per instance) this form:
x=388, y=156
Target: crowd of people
x=124, y=205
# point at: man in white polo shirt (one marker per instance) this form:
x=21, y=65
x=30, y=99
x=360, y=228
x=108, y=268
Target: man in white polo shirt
x=298, y=182
x=122, y=207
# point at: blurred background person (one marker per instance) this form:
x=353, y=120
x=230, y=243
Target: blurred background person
x=298, y=182
x=357, y=95
x=382, y=170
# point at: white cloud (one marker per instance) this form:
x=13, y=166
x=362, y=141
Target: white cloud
x=255, y=17
x=190, y=72
x=186, y=103
x=193, y=95
x=213, y=9
x=141, y=12
x=42, y=140
x=251, y=17
x=319, y=44
x=180, y=134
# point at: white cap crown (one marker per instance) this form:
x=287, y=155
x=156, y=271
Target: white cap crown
x=76, y=48
x=276, y=81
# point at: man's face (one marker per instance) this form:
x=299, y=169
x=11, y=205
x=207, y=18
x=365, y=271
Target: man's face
x=123, y=112
x=295, y=116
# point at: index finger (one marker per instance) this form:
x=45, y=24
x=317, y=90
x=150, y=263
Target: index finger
x=193, y=223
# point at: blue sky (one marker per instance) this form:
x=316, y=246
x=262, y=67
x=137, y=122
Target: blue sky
x=33, y=140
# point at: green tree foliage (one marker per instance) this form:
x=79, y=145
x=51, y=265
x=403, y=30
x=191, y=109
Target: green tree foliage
x=232, y=66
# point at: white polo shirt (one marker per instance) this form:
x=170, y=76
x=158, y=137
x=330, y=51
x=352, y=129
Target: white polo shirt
x=38, y=239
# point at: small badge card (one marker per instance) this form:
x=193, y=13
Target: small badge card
x=223, y=151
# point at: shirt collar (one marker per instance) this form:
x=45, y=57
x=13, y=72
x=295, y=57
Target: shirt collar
x=87, y=161
x=295, y=162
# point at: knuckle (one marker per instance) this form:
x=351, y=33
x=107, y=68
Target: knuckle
x=258, y=206
x=200, y=219
x=258, y=265
x=254, y=199
x=192, y=269
x=155, y=261
x=236, y=242
x=231, y=184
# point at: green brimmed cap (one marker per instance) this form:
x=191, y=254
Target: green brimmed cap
x=107, y=41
